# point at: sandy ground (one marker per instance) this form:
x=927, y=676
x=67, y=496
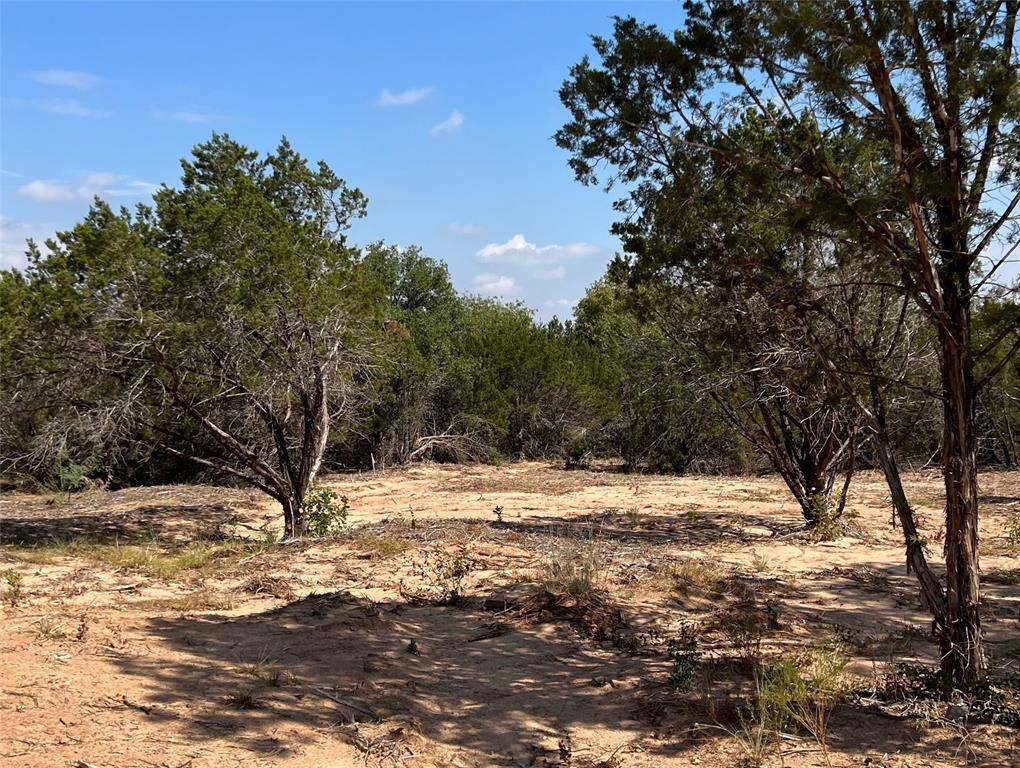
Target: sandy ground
x=344, y=652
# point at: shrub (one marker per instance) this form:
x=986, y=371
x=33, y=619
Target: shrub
x=326, y=512
x=12, y=587
x=577, y=449
x=442, y=576
x=69, y=477
x=1013, y=530
x=684, y=656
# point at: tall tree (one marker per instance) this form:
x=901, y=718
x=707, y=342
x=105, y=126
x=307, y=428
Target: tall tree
x=893, y=126
x=226, y=324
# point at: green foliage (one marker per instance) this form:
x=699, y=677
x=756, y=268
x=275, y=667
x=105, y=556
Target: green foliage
x=325, y=512
x=12, y=586
x=1013, y=530
x=800, y=692
x=685, y=658
x=70, y=477
x=198, y=325
x=655, y=412
x=996, y=327
x=826, y=524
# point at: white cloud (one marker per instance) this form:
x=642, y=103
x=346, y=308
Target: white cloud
x=517, y=250
x=43, y=191
x=563, y=303
x=103, y=184
x=495, y=285
x=192, y=117
x=13, y=234
x=68, y=78
x=135, y=188
x=464, y=229
x=68, y=108
x=556, y=273
x=403, y=98
x=98, y=181
x=451, y=124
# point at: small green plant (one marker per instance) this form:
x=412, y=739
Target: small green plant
x=1013, y=530
x=756, y=734
x=685, y=658
x=744, y=625
x=70, y=477
x=498, y=512
x=577, y=450
x=799, y=692
x=326, y=512
x=826, y=523
x=12, y=587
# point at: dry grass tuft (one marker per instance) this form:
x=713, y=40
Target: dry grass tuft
x=577, y=570
x=267, y=584
x=686, y=574
x=48, y=628
x=381, y=546
x=245, y=698
x=200, y=600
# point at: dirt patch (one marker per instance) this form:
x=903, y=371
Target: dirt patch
x=599, y=619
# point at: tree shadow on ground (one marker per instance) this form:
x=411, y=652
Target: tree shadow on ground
x=690, y=528
x=144, y=523
x=130, y=515
x=459, y=676
x=515, y=692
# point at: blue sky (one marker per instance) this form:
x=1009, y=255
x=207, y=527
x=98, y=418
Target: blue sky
x=441, y=113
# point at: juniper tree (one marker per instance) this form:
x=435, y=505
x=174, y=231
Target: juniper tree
x=226, y=324
x=892, y=126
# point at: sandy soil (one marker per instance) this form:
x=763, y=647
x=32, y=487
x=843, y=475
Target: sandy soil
x=344, y=652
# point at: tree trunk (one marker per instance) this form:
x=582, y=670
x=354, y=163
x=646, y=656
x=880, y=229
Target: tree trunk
x=294, y=522
x=963, y=660
x=932, y=594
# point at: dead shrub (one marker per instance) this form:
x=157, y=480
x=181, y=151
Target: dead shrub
x=577, y=570
x=268, y=585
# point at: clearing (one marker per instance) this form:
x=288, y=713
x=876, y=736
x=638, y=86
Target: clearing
x=600, y=619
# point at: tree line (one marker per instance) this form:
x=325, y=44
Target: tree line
x=229, y=331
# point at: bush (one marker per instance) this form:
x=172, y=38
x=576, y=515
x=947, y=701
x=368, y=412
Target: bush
x=70, y=477
x=684, y=657
x=1013, y=530
x=326, y=512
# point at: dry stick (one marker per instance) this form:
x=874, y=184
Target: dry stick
x=355, y=707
